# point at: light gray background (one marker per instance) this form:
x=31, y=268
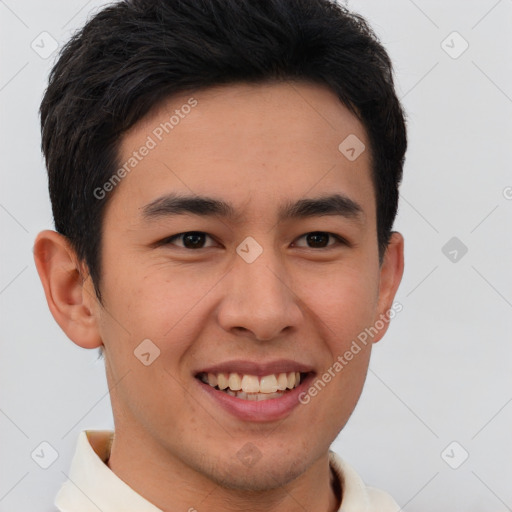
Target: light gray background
x=441, y=374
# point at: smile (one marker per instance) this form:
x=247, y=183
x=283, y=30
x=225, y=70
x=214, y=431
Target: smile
x=252, y=387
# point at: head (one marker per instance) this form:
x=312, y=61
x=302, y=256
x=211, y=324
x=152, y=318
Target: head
x=279, y=122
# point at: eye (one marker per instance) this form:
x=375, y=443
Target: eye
x=190, y=239
x=319, y=239
x=196, y=240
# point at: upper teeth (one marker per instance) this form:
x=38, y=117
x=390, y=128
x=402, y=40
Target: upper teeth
x=252, y=383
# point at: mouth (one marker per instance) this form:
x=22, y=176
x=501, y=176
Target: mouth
x=252, y=387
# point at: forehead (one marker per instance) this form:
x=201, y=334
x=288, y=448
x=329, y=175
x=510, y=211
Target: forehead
x=251, y=144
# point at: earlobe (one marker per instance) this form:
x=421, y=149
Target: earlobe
x=391, y=273
x=69, y=297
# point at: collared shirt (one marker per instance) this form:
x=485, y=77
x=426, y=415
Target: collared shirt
x=92, y=486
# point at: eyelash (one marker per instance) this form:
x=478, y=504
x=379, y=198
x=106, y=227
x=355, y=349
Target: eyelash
x=339, y=240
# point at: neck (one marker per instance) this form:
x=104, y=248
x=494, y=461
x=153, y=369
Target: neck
x=170, y=484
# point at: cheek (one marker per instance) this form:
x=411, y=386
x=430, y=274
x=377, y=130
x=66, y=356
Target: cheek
x=168, y=300
x=344, y=300
x=161, y=302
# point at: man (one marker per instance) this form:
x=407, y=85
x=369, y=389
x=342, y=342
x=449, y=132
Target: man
x=224, y=179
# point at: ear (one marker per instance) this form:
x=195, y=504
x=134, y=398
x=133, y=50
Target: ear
x=70, y=294
x=391, y=272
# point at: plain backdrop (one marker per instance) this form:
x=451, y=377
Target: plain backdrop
x=433, y=426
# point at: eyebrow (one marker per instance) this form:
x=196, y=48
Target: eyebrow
x=175, y=204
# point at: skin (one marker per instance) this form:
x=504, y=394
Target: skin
x=254, y=146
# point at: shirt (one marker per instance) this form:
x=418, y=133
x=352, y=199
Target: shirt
x=93, y=486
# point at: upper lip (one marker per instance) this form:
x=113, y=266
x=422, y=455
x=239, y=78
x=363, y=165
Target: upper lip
x=257, y=368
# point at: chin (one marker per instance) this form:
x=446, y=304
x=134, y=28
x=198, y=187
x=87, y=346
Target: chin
x=264, y=477
x=261, y=472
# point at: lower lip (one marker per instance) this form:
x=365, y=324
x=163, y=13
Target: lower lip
x=258, y=411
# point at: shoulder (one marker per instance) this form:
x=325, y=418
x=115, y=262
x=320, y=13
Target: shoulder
x=356, y=496
x=381, y=501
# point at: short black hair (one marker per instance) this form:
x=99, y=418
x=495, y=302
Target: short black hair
x=133, y=55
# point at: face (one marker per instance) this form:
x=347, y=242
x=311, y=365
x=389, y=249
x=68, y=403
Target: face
x=276, y=272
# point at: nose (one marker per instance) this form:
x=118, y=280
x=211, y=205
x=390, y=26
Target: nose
x=258, y=300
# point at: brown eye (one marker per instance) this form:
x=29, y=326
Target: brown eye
x=189, y=239
x=320, y=240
